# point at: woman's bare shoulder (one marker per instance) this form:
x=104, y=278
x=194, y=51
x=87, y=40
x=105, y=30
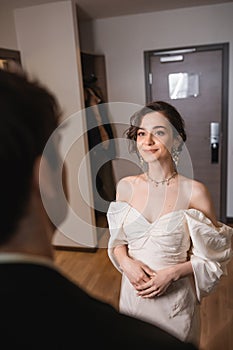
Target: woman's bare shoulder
x=125, y=187
x=196, y=187
x=199, y=189
x=200, y=198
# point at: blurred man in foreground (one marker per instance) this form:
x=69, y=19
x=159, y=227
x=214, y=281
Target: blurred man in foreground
x=40, y=307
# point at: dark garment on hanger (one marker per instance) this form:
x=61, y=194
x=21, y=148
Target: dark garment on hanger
x=101, y=158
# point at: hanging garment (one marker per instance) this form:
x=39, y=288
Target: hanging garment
x=102, y=149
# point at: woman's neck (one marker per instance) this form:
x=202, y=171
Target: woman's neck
x=160, y=172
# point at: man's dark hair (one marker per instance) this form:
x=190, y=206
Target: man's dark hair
x=29, y=113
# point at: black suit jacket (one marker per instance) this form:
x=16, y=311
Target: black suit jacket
x=42, y=309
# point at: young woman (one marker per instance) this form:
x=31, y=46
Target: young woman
x=164, y=235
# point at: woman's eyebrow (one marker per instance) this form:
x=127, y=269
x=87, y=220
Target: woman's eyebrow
x=154, y=127
x=159, y=126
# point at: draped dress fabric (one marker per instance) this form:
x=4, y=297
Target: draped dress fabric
x=171, y=239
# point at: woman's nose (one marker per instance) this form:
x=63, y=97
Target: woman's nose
x=149, y=139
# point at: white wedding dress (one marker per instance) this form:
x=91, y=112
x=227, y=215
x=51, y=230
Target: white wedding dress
x=165, y=242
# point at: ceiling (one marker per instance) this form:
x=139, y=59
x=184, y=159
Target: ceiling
x=95, y=9
x=111, y=8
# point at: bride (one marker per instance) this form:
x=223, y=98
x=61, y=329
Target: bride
x=164, y=235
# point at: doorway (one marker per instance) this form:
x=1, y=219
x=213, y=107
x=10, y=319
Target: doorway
x=195, y=81
x=100, y=134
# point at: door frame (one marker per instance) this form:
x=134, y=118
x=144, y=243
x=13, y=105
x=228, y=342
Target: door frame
x=224, y=47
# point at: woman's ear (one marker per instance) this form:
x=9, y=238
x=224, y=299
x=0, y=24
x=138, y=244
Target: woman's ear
x=178, y=141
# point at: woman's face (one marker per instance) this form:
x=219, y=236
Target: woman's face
x=155, y=137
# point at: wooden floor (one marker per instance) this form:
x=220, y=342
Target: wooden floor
x=94, y=272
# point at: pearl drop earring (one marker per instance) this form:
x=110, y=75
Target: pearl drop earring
x=175, y=155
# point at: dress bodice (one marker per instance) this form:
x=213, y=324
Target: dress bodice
x=170, y=239
x=164, y=242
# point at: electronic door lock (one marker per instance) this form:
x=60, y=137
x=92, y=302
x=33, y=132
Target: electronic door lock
x=214, y=141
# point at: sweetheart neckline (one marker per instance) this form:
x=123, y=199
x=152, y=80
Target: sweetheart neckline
x=162, y=216
x=156, y=220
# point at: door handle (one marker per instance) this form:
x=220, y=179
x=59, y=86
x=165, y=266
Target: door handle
x=214, y=141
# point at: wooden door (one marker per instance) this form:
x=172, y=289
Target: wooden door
x=194, y=80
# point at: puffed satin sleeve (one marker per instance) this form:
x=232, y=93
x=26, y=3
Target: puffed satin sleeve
x=211, y=251
x=115, y=216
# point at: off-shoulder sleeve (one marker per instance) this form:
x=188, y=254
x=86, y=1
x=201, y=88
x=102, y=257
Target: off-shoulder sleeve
x=115, y=216
x=211, y=251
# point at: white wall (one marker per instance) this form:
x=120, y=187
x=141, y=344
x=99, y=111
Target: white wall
x=124, y=39
x=48, y=41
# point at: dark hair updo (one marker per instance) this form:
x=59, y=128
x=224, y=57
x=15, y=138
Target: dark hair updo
x=169, y=111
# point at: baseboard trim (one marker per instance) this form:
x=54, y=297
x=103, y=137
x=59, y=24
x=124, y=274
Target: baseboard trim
x=77, y=249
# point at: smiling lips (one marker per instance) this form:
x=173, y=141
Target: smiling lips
x=151, y=150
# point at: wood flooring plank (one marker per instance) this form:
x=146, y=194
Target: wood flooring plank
x=94, y=272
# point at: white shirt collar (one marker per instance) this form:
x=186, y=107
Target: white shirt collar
x=8, y=257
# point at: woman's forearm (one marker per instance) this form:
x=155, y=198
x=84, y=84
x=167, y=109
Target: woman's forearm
x=121, y=254
x=181, y=270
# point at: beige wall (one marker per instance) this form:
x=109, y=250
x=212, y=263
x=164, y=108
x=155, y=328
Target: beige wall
x=48, y=41
x=124, y=39
x=7, y=27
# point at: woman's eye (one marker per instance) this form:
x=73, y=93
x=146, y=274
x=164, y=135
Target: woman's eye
x=140, y=133
x=160, y=133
